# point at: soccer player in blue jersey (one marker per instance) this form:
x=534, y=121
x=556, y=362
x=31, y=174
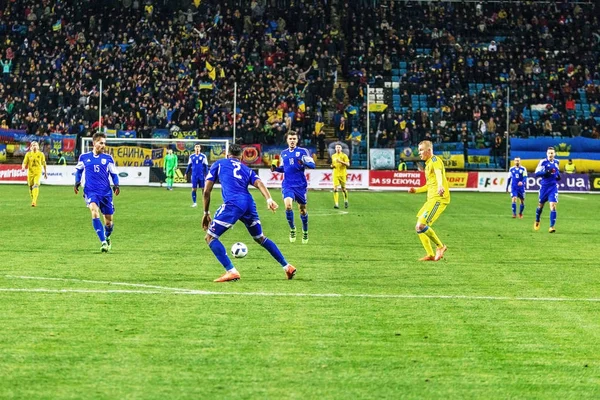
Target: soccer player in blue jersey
x=97, y=168
x=198, y=165
x=517, y=178
x=293, y=162
x=238, y=205
x=548, y=170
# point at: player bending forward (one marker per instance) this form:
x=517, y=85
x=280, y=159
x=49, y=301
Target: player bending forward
x=238, y=205
x=97, y=167
x=438, y=197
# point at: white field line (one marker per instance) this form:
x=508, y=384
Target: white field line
x=140, y=285
x=315, y=295
x=570, y=196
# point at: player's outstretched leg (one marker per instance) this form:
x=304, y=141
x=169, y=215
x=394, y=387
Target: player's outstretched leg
x=231, y=274
x=552, y=218
x=345, y=192
x=108, y=230
x=194, y=204
x=521, y=208
x=538, y=214
x=271, y=247
x=430, y=255
x=304, y=218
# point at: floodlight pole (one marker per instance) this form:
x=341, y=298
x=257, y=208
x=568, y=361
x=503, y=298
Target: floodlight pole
x=100, y=109
x=368, y=127
x=234, y=109
x=507, y=163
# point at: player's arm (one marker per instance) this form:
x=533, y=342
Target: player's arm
x=208, y=187
x=508, y=180
x=45, y=166
x=204, y=166
x=78, y=174
x=439, y=177
x=189, y=166
x=308, y=161
x=25, y=164
x=114, y=174
x=271, y=205
x=275, y=167
x=421, y=189
x=541, y=169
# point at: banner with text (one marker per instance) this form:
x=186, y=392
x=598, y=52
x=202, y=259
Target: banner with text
x=568, y=183
x=395, y=179
x=12, y=173
x=134, y=156
x=595, y=183
x=128, y=176
x=318, y=178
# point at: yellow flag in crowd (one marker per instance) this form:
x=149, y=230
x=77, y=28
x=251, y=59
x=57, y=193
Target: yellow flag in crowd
x=212, y=73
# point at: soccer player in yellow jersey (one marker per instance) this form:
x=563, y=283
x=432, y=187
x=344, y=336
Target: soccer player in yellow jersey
x=438, y=197
x=33, y=162
x=339, y=163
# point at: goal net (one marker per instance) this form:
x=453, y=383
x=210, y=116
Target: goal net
x=133, y=152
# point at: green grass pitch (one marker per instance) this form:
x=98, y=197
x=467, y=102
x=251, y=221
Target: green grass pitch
x=510, y=313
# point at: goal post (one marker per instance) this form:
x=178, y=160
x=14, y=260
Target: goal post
x=134, y=152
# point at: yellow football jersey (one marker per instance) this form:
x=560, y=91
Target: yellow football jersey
x=34, y=162
x=431, y=165
x=339, y=168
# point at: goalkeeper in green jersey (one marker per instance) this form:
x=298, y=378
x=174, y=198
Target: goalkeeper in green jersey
x=170, y=166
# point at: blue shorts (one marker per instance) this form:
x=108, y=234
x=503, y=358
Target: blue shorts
x=228, y=214
x=105, y=203
x=296, y=194
x=549, y=193
x=518, y=192
x=197, y=181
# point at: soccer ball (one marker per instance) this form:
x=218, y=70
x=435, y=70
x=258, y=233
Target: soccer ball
x=239, y=250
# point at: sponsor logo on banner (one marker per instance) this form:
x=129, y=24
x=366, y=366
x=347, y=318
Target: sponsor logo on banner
x=12, y=173
x=128, y=176
x=317, y=179
x=251, y=154
x=396, y=179
x=595, y=182
x=492, y=181
x=568, y=183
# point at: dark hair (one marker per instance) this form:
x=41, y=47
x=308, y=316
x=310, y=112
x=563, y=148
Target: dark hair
x=235, y=150
x=98, y=135
x=290, y=133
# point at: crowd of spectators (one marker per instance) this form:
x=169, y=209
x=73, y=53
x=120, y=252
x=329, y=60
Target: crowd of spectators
x=173, y=64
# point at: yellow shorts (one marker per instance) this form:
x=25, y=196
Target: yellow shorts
x=339, y=180
x=431, y=211
x=34, y=180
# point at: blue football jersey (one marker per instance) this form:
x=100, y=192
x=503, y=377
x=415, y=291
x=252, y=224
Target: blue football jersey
x=293, y=163
x=198, y=164
x=96, y=170
x=544, y=169
x=234, y=178
x=516, y=175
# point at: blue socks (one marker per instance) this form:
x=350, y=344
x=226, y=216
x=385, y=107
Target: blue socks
x=514, y=208
x=219, y=251
x=552, y=218
x=289, y=215
x=521, y=208
x=194, y=196
x=538, y=213
x=304, y=219
x=99, y=229
x=108, y=229
x=274, y=251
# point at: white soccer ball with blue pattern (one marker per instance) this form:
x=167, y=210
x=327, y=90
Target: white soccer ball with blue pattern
x=239, y=250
